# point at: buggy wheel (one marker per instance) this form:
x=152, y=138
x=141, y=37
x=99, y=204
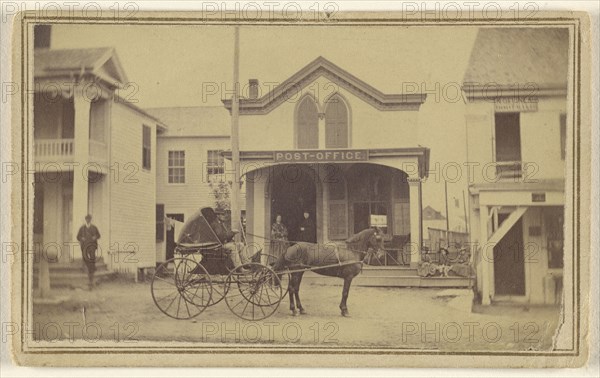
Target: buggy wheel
x=219, y=289
x=181, y=288
x=253, y=291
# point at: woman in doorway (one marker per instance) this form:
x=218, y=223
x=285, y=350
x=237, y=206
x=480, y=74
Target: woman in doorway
x=279, y=237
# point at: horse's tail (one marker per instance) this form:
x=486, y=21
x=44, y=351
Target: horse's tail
x=279, y=265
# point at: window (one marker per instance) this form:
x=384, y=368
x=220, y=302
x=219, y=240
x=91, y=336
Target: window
x=215, y=163
x=307, y=124
x=508, y=144
x=146, y=146
x=338, y=216
x=563, y=136
x=336, y=123
x=176, y=167
x=369, y=194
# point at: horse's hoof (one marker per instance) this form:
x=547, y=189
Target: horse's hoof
x=345, y=313
x=302, y=312
x=295, y=313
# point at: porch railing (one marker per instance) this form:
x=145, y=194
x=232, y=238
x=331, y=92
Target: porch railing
x=53, y=149
x=61, y=150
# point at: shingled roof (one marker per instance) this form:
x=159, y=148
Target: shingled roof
x=101, y=62
x=507, y=56
x=207, y=121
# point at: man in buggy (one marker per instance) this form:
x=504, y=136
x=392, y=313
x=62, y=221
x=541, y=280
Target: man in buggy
x=237, y=251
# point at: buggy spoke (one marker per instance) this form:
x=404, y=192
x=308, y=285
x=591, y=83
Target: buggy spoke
x=167, y=296
x=165, y=281
x=171, y=304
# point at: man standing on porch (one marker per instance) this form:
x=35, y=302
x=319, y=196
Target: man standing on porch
x=88, y=236
x=307, y=232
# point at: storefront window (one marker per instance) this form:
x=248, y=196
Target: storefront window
x=370, y=194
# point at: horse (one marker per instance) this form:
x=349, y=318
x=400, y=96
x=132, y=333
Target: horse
x=362, y=248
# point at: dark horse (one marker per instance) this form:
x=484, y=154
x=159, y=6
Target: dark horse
x=360, y=249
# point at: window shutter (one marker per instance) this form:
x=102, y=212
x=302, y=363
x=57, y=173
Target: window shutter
x=160, y=222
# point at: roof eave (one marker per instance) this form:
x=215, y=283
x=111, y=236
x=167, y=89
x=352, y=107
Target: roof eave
x=529, y=91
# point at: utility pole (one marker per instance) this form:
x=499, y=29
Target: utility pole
x=465, y=211
x=235, y=147
x=447, y=215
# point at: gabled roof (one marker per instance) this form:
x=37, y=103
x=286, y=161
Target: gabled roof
x=429, y=213
x=99, y=62
x=517, y=56
x=200, y=121
x=323, y=67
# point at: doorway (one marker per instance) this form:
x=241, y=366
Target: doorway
x=171, y=236
x=509, y=262
x=293, y=192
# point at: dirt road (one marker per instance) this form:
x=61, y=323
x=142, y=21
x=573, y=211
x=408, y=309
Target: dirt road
x=381, y=317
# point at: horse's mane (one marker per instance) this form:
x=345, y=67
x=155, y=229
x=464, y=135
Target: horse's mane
x=360, y=239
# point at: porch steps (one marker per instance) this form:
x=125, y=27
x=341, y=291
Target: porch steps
x=395, y=276
x=73, y=275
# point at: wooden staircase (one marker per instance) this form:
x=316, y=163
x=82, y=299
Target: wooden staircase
x=396, y=276
x=73, y=275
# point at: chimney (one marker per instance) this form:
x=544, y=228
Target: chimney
x=41, y=36
x=253, y=89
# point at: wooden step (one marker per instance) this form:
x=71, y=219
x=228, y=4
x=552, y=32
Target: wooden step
x=72, y=275
x=396, y=271
x=75, y=280
x=393, y=279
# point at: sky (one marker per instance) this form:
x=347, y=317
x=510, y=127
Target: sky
x=173, y=65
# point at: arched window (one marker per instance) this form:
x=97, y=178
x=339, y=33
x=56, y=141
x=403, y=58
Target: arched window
x=336, y=123
x=307, y=124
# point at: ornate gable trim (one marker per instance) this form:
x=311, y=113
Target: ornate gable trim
x=322, y=67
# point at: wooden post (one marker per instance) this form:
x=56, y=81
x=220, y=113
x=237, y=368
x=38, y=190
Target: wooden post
x=235, y=148
x=465, y=211
x=44, y=273
x=447, y=215
x=486, y=264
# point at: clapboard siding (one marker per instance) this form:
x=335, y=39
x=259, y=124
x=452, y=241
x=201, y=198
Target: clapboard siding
x=133, y=191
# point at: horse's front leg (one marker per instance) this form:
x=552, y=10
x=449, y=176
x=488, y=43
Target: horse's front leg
x=345, y=291
x=297, y=291
x=292, y=292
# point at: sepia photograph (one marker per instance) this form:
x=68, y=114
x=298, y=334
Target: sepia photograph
x=240, y=192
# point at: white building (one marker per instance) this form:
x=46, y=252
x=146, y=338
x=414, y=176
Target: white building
x=190, y=164
x=516, y=86
x=326, y=142
x=95, y=152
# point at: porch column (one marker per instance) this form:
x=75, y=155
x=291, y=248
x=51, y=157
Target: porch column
x=416, y=237
x=485, y=254
x=81, y=153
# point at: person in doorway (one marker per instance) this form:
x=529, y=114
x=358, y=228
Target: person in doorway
x=279, y=237
x=307, y=231
x=88, y=236
x=237, y=251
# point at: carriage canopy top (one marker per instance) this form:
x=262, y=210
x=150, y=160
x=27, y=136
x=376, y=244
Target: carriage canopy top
x=197, y=231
